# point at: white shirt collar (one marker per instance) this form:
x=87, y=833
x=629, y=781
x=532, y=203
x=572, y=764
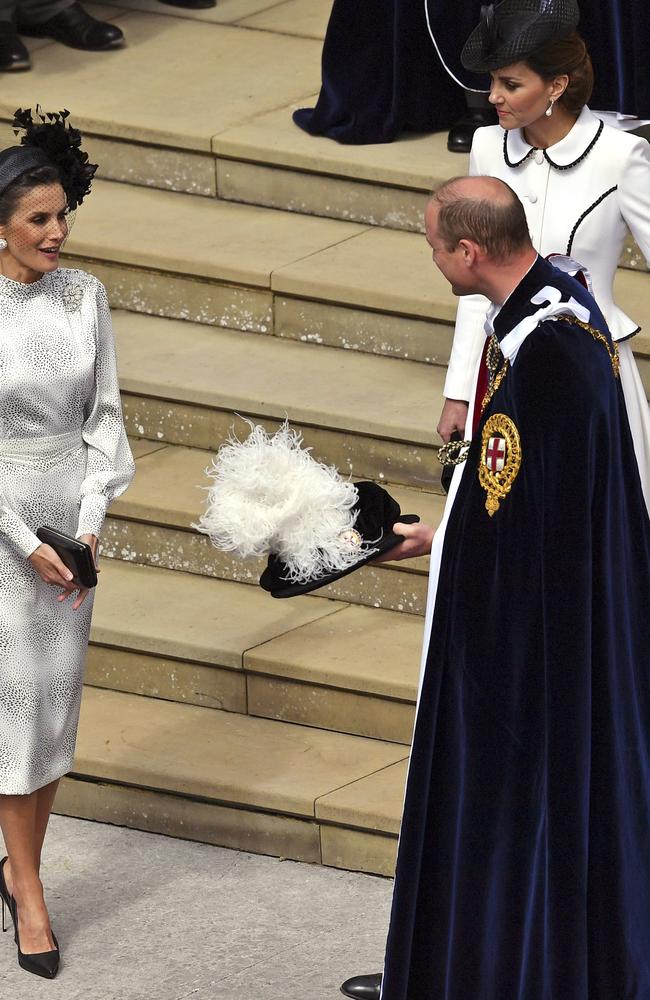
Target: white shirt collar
x=566, y=153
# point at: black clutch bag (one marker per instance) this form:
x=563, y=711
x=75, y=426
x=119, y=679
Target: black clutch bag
x=76, y=555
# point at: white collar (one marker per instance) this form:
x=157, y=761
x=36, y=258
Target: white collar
x=554, y=306
x=492, y=313
x=566, y=153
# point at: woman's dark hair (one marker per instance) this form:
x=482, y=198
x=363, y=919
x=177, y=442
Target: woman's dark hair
x=566, y=56
x=10, y=197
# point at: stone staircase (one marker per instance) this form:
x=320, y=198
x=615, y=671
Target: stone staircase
x=253, y=270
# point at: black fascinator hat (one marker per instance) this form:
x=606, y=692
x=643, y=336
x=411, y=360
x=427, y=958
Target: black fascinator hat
x=270, y=497
x=512, y=30
x=48, y=140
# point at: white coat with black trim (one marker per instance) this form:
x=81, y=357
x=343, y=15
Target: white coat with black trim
x=580, y=196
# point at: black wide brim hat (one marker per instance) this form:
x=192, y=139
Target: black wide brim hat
x=511, y=31
x=377, y=511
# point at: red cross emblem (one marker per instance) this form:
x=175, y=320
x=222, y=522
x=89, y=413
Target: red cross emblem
x=495, y=455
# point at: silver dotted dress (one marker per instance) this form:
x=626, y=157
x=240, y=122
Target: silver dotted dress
x=63, y=457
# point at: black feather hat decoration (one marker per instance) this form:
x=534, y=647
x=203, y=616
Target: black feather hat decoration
x=61, y=142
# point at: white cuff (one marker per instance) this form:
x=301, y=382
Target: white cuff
x=92, y=512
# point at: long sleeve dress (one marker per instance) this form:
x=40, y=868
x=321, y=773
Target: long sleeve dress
x=581, y=196
x=64, y=456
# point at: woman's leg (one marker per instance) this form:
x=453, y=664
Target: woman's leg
x=22, y=822
x=44, y=801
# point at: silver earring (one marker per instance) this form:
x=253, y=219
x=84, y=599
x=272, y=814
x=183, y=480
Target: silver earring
x=549, y=110
x=3, y=244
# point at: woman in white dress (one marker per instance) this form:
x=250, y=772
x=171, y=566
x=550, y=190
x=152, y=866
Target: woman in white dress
x=63, y=457
x=583, y=184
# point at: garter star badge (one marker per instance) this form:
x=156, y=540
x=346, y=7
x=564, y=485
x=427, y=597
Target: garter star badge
x=500, y=459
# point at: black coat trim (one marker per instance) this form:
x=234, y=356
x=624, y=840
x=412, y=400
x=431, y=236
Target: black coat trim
x=510, y=162
x=557, y=166
x=584, y=216
x=567, y=166
x=628, y=336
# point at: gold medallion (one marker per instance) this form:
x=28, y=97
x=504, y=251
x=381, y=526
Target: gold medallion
x=500, y=459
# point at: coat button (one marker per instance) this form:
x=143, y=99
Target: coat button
x=532, y=198
x=539, y=155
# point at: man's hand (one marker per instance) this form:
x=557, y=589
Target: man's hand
x=453, y=418
x=417, y=542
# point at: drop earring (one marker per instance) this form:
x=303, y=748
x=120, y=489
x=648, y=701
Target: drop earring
x=3, y=244
x=549, y=110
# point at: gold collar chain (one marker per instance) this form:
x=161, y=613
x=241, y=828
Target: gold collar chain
x=493, y=359
x=597, y=335
x=455, y=452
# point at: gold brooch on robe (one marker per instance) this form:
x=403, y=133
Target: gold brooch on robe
x=500, y=459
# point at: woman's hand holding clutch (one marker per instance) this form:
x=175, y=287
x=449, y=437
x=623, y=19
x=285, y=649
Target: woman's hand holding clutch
x=53, y=570
x=93, y=542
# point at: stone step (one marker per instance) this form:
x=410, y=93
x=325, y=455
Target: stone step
x=263, y=60
x=237, y=781
x=221, y=74
x=235, y=648
x=151, y=525
x=374, y=417
x=264, y=159
x=268, y=160
x=263, y=271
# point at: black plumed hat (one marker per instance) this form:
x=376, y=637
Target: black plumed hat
x=271, y=498
x=512, y=30
x=376, y=512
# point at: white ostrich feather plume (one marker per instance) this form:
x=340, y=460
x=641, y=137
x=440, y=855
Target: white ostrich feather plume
x=270, y=496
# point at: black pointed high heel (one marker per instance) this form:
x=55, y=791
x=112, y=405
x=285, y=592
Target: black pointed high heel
x=44, y=964
x=5, y=898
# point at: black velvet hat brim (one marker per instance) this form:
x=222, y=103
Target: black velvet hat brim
x=272, y=581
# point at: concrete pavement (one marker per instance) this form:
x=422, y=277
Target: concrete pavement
x=144, y=917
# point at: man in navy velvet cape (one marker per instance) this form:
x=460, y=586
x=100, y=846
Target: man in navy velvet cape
x=524, y=861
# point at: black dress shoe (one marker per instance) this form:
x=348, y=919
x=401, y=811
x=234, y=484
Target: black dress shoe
x=191, y=4
x=461, y=132
x=13, y=54
x=363, y=987
x=75, y=27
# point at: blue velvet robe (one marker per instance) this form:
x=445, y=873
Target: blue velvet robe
x=523, y=869
x=617, y=33
x=382, y=75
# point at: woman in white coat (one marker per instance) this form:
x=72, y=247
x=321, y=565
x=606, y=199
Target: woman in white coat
x=583, y=184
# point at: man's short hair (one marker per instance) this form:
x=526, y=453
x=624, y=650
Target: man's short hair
x=498, y=225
